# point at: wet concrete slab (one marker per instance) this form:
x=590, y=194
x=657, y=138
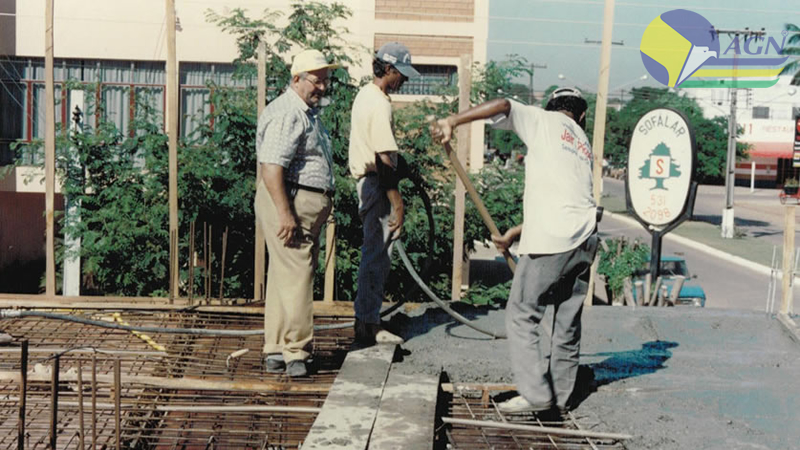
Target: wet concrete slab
x=674, y=378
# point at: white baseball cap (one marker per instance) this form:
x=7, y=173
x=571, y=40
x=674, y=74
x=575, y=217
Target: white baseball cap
x=310, y=60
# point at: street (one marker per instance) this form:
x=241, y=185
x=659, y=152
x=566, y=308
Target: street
x=758, y=213
x=726, y=285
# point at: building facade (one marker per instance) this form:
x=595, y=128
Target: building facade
x=767, y=118
x=119, y=45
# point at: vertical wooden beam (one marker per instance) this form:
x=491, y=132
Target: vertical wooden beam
x=172, y=132
x=464, y=86
x=330, y=258
x=49, y=151
x=788, y=259
x=261, y=254
x=23, y=394
x=599, y=135
x=54, y=403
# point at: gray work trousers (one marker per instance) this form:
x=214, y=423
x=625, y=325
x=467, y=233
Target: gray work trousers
x=560, y=280
x=374, y=210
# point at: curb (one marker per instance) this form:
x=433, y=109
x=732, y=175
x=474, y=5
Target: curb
x=760, y=268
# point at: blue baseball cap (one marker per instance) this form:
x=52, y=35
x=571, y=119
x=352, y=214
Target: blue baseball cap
x=398, y=56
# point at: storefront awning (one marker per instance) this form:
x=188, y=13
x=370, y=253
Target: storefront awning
x=770, y=150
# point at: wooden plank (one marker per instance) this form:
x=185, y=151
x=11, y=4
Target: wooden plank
x=349, y=412
x=464, y=84
x=407, y=413
x=49, y=152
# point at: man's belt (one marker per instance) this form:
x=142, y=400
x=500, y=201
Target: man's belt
x=327, y=192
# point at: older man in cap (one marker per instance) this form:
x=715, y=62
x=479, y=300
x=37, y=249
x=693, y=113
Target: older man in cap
x=293, y=200
x=373, y=162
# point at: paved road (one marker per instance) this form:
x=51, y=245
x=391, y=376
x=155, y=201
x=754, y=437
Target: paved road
x=726, y=285
x=758, y=213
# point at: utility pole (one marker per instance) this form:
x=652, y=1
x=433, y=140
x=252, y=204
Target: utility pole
x=730, y=168
x=531, y=96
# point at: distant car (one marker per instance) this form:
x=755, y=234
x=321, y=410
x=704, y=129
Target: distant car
x=692, y=294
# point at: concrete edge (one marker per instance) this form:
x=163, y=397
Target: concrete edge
x=760, y=268
x=790, y=326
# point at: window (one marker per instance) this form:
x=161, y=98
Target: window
x=22, y=96
x=795, y=112
x=433, y=80
x=761, y=112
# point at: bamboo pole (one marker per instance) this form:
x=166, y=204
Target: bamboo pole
x=172, y=132
x=788, y=251
x=599, y=135
x=260, y=254
x=464, y=86
x=49, y=151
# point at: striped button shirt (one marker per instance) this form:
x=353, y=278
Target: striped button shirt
x=291, y=134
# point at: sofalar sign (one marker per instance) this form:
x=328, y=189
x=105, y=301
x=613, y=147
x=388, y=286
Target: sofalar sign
x=660, y=183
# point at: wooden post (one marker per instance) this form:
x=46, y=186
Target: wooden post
x=464, y=86
x=49, y=150
x=23, y=394
x=600, y=122
x=788, y=252
x=330, y=258
x=172, y=132
x=261, y=254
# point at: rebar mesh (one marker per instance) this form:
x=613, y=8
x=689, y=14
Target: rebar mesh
x=154, y=417
x=476, y=405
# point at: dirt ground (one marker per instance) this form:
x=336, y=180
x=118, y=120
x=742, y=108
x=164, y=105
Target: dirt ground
x=674, y=378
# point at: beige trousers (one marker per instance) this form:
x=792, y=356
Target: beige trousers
x=289, y=312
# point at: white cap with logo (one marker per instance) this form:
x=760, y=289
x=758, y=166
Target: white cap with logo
x=310, y=60
x=397, y=55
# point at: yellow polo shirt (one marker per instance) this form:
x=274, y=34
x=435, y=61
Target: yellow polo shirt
x=370, y=129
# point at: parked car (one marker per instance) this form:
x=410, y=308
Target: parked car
x=691, y=294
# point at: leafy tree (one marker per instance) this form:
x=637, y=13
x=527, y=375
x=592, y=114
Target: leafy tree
x=792, y=48
x=711, y=135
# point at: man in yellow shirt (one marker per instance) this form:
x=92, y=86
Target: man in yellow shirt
x=380, y=205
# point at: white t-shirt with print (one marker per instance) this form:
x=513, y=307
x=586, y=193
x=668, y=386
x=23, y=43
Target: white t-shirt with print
x=559, y=211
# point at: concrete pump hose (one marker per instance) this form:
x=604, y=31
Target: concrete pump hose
x=402, y=252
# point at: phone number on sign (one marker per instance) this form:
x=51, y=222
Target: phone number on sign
x=657, y=209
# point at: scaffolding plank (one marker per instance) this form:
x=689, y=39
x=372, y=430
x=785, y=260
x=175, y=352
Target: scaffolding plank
x=407, y=413
x=349, y=412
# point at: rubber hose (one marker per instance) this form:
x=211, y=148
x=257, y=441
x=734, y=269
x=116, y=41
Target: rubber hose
x=437, y=300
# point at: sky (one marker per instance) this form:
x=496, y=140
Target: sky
x=553, y=32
